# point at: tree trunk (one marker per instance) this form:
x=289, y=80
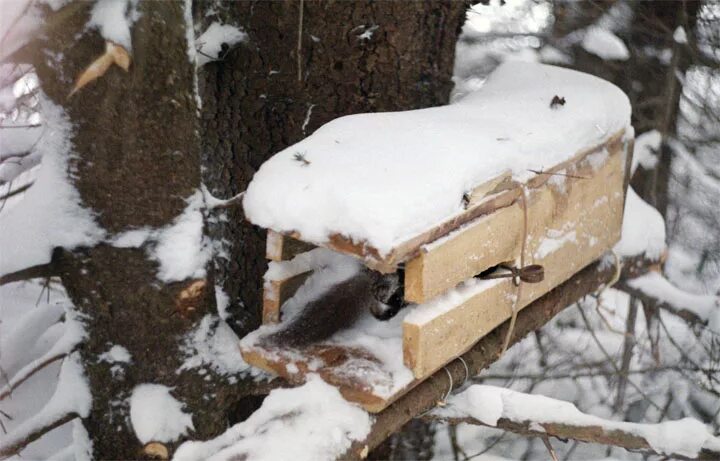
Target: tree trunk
x=354, y=57
x=265, y=95
x=135, y=161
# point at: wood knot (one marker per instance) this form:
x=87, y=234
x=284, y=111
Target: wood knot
x=191, y=297
x=156, y=450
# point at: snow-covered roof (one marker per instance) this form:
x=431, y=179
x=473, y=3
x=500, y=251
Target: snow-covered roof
x=381, y=178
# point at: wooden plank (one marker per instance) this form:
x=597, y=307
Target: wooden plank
x=358, y=374
x=491, y=239
x=279, y=247
x=276, y=292
x=566, y=232
x=480, y=204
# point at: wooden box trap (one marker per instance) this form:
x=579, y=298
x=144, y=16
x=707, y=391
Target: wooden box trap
x=512, y=239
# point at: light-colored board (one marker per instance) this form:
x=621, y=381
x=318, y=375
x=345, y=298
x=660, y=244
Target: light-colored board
x=491, y=196
x=279, y=247
x=355, y=372
x=581, y=224
x=276, y=292
x=491, y=239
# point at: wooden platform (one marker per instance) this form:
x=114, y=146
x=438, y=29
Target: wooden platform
x=574, y=214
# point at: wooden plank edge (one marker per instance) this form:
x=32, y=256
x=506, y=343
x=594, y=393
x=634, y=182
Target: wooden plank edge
x=426, y=394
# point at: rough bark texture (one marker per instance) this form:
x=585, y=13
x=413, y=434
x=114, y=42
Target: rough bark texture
x=355, y=57
x=135, y=159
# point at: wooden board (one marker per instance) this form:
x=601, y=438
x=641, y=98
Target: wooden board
x=580, y=225
x=279, y=247
x=490, y=196
x=276, y=292
x=355, y=372
x=491, y=239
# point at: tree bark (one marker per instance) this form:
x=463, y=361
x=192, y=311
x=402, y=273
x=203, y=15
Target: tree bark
x=354, y=57
x=135, y=160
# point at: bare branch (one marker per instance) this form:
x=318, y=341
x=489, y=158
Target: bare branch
x=33, y=272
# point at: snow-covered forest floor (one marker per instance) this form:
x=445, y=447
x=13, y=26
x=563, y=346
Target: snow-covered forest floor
x=579, y=357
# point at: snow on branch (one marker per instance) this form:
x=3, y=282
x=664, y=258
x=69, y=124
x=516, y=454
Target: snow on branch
x=73, y=335
x=72, y=399
x=655, y=287
x=310, y=422
x=537, y=415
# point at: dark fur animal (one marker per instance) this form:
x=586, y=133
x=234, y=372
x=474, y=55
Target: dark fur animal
x=340, y=307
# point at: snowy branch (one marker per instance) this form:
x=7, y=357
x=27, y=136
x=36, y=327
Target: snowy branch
x=540, y=416
x=654, y=288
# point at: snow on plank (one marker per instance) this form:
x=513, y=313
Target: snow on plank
x=379, y=185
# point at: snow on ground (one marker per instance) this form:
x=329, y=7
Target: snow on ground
x=156, y=415
x=603, y=43
x=643, y=229
x=489, y=404
x=380, y=177
x=313, y=423
x=209, y=44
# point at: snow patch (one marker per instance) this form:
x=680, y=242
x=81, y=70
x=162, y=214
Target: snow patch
x=313, y=422
x=680, y=36
x=114, y=18
x=646, y=148
x=209, y=44
x=156, y=415
x=116, y=354
x=604, y=44
x=212, y=344
x=182, y=249
x=643, y=229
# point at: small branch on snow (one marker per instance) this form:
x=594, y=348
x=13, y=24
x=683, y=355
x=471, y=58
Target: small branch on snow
x=539, y=416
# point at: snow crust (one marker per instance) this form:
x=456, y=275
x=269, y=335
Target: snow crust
x=113, y=18
x=489, y=403
x=51, y=214
x=384, y=177
x=605, y=44
x=307, y=423
x=209, y=44
x=156, y=415
x=643, y=229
